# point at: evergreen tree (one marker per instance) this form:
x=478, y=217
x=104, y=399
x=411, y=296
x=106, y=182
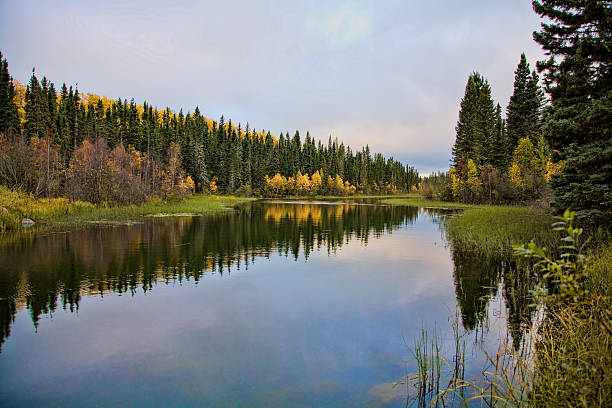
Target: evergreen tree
x=37, y=118
x=498, y=148
x=524, y=109
x=476, y=128
x=52, y=109
x=577, y=38
x=9, y=116
x=200, y=170
x=212, y=154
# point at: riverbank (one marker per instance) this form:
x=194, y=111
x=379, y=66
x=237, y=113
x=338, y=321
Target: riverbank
x=488, y=230
x=417, y=200
x=491, y=230
x=573, y=354
x=574, y=351
x=61, y=212
x=572, y=364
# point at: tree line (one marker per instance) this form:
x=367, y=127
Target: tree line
x=500, y=159
x=554, y=143
x=83, y=136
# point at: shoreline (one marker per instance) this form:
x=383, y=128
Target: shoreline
x=59, y=213
x=53, y=213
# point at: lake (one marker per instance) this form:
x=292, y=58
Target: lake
x=279, y=303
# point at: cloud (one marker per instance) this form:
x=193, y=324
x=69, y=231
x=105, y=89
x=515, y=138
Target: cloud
x=340, y=26
x=390, y=75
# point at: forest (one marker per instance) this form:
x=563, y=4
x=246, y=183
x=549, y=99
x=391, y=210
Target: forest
x=95, y=149
x=549, y=147
x=553, y=147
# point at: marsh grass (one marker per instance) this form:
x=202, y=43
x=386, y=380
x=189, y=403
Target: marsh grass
x=417, y=200
x=566, y=358
x=435, y=373
x=61, y=212
x=429, y=360
x=491, y=231
x=15, y=206
x=574, y=354
x=440, y=381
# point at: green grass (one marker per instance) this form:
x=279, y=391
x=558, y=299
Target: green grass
x=492, y=230
x=416, y=200
x=487, y=229
x=572, y=366
x=600, y=281
x=61, y=212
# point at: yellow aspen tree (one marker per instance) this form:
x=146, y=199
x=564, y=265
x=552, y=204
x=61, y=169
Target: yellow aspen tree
x=315, y=183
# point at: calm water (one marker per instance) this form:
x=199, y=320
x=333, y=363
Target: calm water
x=279, y=304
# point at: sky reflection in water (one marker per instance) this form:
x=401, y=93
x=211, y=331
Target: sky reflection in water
x=282, y=304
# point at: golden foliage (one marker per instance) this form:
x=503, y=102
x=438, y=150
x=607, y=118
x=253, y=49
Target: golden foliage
x=302, y=184
x=212, y=186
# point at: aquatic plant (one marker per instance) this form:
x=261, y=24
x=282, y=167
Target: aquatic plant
x=491, y=231
x=566, y=360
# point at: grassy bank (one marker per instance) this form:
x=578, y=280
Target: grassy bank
x=416, y=200
x=572, y=364
x=492, y=231
x=61, y=212
x=489, y=230
x=574, y=354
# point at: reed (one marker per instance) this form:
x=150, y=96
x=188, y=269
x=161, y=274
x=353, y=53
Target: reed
x=566, y=361
x=430, y=361
x=491, y=230
x=417, y=200
x=574, y=354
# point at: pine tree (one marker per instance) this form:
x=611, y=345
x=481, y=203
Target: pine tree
x=223, y=154
x=524, y=109
x=578, y=77
x=200, y=170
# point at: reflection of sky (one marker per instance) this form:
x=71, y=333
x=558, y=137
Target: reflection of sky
x=317, y=332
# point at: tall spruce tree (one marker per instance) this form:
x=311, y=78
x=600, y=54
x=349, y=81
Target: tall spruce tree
x=524, y=109
x=476, y=128
x=9, y=115
x=36, y=107
x=577, y=38
x=498, y=151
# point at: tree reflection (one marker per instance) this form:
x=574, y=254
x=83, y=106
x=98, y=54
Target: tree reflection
x=43, y=271
x=477, y=281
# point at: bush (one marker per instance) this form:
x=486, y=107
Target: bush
x=574, y=351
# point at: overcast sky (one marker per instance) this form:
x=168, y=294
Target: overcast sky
x=387, y=73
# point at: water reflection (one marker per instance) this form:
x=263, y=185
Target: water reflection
x=479, y=280
x=333, y=295
x=41, y=271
